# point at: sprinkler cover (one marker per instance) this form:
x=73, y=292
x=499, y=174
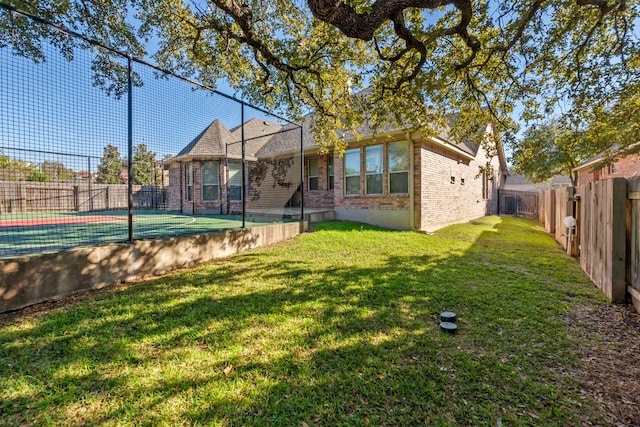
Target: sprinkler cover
x=448, y=327
x=448, y=316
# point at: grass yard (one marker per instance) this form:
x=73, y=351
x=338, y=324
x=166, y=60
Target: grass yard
x=338, y=327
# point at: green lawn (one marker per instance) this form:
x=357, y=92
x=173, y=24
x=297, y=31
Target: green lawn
x=336, y=327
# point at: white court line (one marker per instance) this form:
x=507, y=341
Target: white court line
x=191, y=221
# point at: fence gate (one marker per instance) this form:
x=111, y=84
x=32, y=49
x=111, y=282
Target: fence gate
x=518, y=203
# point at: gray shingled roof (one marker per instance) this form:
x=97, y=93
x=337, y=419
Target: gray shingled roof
x=287, y=141
x=209, y=143
x=520, y=180
x=268, y=139
x=597, y=158
x=257, y=133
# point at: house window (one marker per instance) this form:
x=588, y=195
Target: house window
x=399, y=167
x=188, y=171
x=373, y=182
x=312, y=171
x=352, y=171
x=330, y=172
x=613, y=168
x=235, y=181
x=210, y=181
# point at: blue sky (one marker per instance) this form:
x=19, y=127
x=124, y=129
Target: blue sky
x=54, y=106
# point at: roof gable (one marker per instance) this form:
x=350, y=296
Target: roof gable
x=211, y=142
x=257, y=133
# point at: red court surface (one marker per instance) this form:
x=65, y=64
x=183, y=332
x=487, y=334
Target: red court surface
x=35, y=222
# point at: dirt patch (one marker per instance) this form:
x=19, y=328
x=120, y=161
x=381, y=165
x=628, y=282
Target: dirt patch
x=609, y=359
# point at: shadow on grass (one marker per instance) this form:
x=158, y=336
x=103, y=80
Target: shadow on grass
x=282, y=336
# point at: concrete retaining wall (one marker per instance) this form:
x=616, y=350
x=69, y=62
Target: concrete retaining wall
x=35, y=279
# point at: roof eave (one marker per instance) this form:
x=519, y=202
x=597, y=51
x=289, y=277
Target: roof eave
x=449, y=147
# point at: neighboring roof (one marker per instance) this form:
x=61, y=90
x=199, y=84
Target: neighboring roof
x=517, y=180
x=601, y=155
x=595, y=159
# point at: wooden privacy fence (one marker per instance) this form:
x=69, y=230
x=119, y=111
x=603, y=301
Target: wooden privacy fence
x=24, y=197
x=555, y=206
x=632, y=253
x=603, y=207
x=607, y=234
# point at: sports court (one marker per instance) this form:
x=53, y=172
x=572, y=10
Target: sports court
x=28, y=233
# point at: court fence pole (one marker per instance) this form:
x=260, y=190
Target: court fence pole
x=90, y=199
x=243, y=192
x=130, y=147
x=301, y=174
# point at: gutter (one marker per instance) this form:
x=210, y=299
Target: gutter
x=587, y=164
x=447, y=146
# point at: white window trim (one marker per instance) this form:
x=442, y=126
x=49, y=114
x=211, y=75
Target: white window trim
x=381, y=173
x=359, y=175
x=309, y=176
x=217, y=184
x=390, y=172
x=330, y=172
x=188, y=171
x=230, y=186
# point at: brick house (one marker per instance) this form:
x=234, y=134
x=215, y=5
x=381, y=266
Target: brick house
x=400, y=180
x=205, y=177
x=623, y=167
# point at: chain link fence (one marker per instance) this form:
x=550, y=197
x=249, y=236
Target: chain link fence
x=88, y=157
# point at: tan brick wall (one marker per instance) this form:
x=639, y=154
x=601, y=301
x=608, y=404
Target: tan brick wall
x=323, y=197
x=417, y=185
x=449, y=188
x=175, y=192
x=438, y=201
x=384, y=201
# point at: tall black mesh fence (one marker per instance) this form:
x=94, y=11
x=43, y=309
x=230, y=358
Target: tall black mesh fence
x=85, y=161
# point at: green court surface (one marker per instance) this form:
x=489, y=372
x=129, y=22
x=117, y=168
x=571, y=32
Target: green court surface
x=22, y=234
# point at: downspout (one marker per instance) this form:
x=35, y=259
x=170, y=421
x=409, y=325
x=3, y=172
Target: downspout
x=412, y=207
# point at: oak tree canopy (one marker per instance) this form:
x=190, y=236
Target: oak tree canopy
x=420, y=61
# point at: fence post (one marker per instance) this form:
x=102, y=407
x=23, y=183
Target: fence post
x=618, y=240
x=89, y=187
x=550, y=215
x=633, y=241
x=22, y=197
x=301, y=174
x=76, y=198
x=242, y=194
x=603, y=207
x=130, y=148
